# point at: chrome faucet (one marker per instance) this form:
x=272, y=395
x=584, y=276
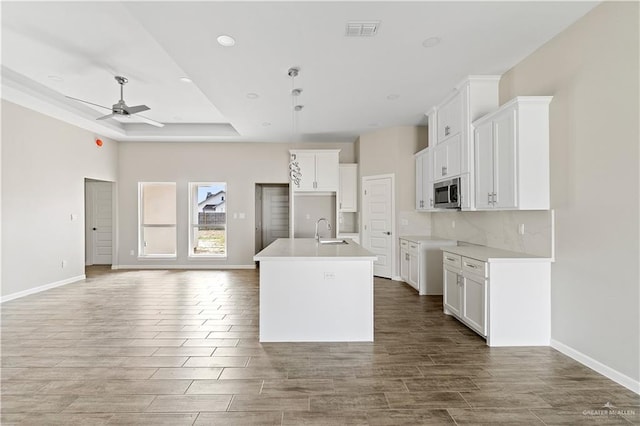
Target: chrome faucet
x=317, y=223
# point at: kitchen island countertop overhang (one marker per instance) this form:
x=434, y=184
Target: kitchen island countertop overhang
x=313, y=292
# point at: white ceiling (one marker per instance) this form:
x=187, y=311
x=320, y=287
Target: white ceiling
x=52, y=49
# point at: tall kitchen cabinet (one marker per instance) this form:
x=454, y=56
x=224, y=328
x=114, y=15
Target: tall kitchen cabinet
x=512, y=156
x=316, y=194
x=451, y=146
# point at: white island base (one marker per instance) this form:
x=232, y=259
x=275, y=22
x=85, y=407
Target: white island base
x=315, y=293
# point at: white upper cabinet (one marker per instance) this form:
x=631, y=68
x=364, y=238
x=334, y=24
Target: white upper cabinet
x=512, y=156
x=447, y=158
x=450, y=117
x=424, y=180
x=319, y=170
x=348, y=188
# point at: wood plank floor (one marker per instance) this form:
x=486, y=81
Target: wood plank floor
x=181, y=348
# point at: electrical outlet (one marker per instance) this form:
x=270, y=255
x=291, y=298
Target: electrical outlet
x=132, y=253
x=521, y=229
x=453, y=223
x=329, y=276
x=63, y=264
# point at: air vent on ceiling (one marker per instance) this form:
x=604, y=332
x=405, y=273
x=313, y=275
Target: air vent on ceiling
x=362, y=28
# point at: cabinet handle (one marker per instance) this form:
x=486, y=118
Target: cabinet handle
x=488, y=198
x=447, y=130
x=450, y=259
x=470, y=265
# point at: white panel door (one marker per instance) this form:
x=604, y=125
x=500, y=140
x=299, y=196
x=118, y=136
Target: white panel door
x=275, y=213
x=377, y=207
x=101, y=222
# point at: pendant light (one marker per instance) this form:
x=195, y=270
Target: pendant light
x=295, y=175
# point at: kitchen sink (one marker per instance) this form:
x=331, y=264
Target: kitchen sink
x=333, y=241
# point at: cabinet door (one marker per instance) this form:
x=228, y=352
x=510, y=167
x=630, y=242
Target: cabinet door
x=483, y=140
x=453, y=155
x=327, y=172
x=504, y=158
x=427, y=174
x=450, y=118
x=307, y=162
x=404, y=263
x=414, y=266
x=348, y=187
x=440, y=161
x=474, y=303
x=451, y=290
x=420, y=183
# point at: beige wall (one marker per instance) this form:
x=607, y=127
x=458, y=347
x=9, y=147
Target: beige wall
x=240, y=165
x=44, y=166
x=390, y=151
x=592, y=71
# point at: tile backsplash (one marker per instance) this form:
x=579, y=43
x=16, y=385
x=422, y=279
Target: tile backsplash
x=499, y=229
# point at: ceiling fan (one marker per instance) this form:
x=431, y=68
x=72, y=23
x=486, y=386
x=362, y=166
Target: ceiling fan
x=121, y=108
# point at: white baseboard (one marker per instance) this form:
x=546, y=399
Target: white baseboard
x=616, y=376
x=41, y=288
x=204, y=267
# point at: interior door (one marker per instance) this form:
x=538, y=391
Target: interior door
x=377, y=211
x=100, y=220
x=275, y=213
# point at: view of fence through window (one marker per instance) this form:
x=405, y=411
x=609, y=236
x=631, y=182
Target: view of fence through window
x=208, y=213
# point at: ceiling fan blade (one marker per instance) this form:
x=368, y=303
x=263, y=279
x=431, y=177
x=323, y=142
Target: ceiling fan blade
x=135, y=109
x=149, y=121
x=87, y=102
x=105, y=116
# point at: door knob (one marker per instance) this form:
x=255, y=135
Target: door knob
x=95, y=229
x=387, y=233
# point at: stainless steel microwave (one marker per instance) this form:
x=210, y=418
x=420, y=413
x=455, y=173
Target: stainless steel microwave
x=446, y=194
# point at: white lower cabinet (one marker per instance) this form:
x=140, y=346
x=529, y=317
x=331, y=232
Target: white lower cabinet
x=474, y=303
x=504, y=299
x=421, y=263
x=404, y=260
x=452, y=298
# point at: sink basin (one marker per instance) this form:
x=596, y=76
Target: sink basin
x=333, y=241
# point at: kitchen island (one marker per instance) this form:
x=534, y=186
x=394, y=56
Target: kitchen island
x=315, y=292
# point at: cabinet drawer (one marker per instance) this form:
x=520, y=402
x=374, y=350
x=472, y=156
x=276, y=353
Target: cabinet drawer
x=414, y=248
x=404, y=244
x=452, y=260
x=474, y=266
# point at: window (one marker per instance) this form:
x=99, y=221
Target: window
x=157, y=213
x=208, y=219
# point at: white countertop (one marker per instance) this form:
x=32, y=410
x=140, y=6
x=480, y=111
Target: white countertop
x=309, y=249
x=425, y=238
x=488, y=254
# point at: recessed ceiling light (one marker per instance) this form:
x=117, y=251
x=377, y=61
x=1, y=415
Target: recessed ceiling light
x=226, y=40
x=186, y=80
x=431, y=42
x=253, y=95
x=393, y=96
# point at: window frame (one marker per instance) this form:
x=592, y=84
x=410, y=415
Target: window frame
x=142, y=226
x=193, y=203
